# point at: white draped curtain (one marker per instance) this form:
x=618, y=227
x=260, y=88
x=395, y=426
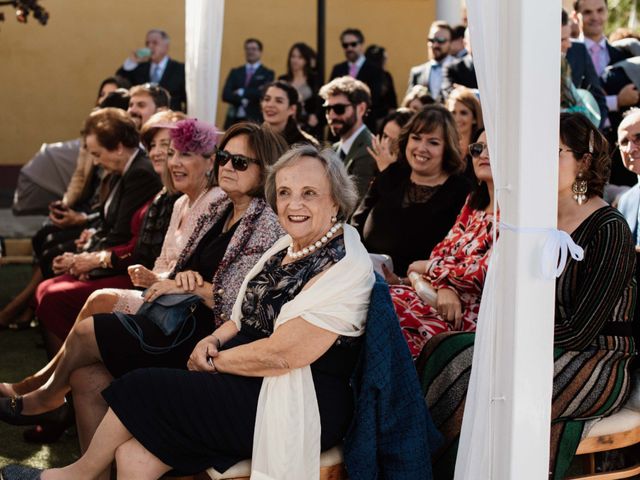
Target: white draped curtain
x=203, y=51
x=516, y=52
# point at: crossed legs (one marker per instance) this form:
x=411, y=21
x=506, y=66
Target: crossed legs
x=112, y=440
x=100, y=301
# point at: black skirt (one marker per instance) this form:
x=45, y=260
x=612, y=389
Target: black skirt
x=194, y=420
x=121, y=352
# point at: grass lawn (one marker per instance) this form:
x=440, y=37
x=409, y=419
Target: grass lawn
x=22, y=353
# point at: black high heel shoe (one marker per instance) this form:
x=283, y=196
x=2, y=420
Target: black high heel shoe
x=19, y=472
x=11, y=413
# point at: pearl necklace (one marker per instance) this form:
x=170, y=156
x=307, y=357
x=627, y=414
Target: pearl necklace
x=314, y=246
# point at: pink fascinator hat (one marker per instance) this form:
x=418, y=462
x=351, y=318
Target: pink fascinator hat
x=194, y=136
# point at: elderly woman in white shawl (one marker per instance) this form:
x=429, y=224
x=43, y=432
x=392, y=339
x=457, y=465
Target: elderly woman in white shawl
x=272, y=383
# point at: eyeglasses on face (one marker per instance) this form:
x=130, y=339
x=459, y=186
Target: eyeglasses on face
x=238, y=162
x=338, y=108
x=438, y=40
x=476, y=149
x=346, y=45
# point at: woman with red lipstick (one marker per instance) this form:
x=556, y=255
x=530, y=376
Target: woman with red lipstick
x=414, y=202
x=456, y=268
x=279, y=106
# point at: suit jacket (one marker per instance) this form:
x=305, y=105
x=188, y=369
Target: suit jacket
x=136, y=187
x=461, y=72
x=173, y=80
x=252, y=93
x=629, y=206
x=583, y=75
x=374, y=78
x=360, y=164
x=419, y=75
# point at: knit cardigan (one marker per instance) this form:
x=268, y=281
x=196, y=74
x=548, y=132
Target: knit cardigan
x=392, y=435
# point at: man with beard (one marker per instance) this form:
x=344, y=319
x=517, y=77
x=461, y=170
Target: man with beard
x=346, y=101
x=145, y=100
x=431, y=73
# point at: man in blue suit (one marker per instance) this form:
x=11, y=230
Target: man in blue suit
x=244, y=86
x=583, y=74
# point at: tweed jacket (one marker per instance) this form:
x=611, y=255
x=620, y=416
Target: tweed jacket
x=258, y=230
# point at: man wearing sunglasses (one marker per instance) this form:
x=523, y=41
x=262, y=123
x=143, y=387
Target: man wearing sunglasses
x=346, y=101
x=358, y=67
x=430, y=74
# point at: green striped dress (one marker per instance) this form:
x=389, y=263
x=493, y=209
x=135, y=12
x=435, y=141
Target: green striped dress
x=595, y=299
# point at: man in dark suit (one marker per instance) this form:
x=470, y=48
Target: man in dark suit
x=431, y=73
x=583, y=74
x=244, y=85
x=591, y=16
x=346, y=101
x=460, y=72
x=155, y=66
x=358, y=67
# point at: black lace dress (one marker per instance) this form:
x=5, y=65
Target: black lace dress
x=195, y=420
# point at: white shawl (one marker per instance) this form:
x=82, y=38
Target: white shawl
x=286, y=441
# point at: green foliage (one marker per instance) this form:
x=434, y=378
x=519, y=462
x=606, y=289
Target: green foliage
x=619, y=13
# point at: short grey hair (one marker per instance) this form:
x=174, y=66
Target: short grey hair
x=343, y=188
x=164, y=35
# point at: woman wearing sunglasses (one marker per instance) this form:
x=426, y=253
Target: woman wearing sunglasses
x=279, y=105
x=456, y=268
x=412, y=204
x=226, y=242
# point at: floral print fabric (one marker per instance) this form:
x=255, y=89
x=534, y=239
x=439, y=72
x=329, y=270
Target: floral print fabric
x=458, y=262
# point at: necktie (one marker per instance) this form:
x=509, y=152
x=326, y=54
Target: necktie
x=155, y=73
x=594, y=51
x=248, y=75
x=353, y=70
x=343, y=155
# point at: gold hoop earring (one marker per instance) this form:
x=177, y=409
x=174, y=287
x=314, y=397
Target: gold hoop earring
x=579, y=189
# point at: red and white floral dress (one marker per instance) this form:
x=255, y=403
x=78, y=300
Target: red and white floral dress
x=458, y=262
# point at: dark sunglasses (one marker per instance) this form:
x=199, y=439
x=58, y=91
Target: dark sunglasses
x=338, y=108
x=476, y=149
x=238, y=162
x=438, y=40
x=346, y=45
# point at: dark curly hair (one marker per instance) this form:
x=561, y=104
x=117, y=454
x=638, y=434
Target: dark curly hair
x=430, y=118
x=589, y=147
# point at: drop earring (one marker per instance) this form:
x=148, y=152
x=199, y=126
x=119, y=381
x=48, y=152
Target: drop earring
x=579, y=189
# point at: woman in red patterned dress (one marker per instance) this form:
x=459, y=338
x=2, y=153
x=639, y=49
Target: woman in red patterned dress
x=456, y=268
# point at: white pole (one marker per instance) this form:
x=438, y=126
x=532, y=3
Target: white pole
x=450, y=11
x=204, y=21
x=506, y=427
x=528, y=125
